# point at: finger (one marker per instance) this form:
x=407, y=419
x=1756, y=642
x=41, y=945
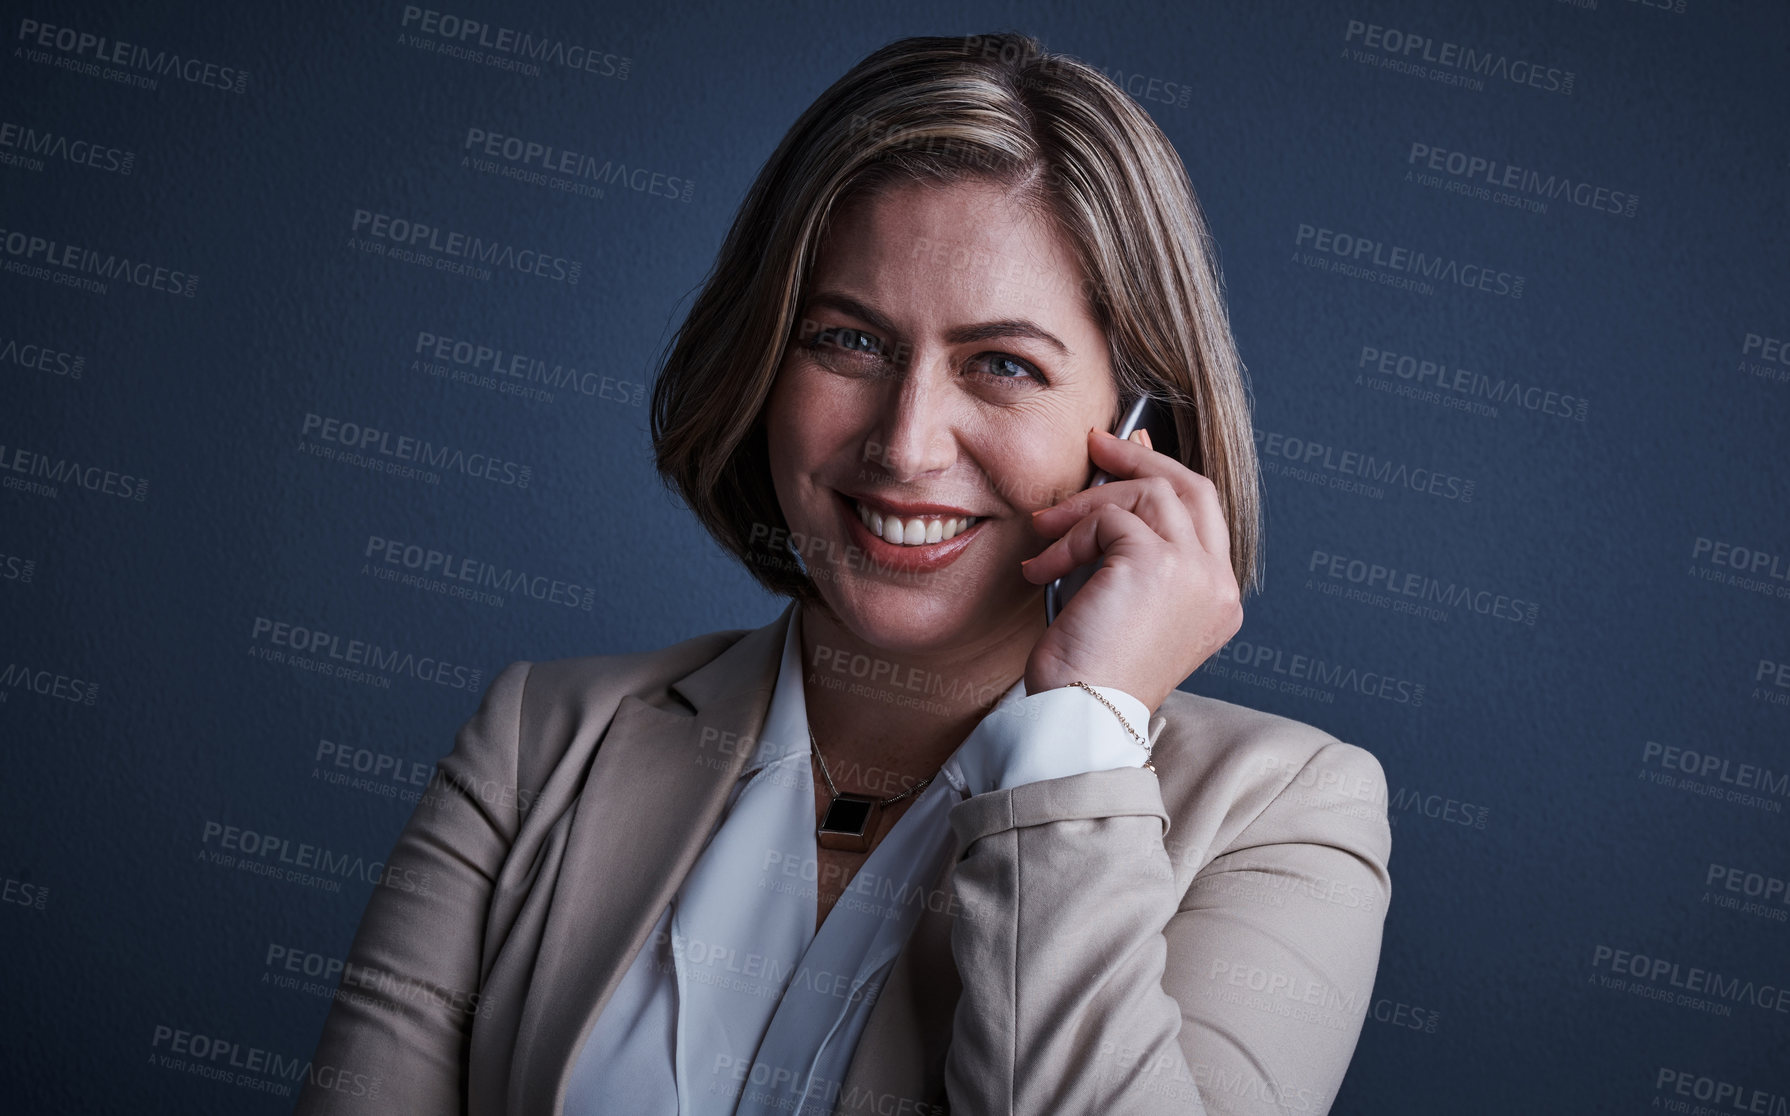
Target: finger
x=1207, y=512
x=1121, y=457
x=1124, y=457
x=1105, y=533
x=1152, y=499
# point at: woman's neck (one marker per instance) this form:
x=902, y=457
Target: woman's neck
x=885, y=720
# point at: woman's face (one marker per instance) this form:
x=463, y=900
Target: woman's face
x=939, y=388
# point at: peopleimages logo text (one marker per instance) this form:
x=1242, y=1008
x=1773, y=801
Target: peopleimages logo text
x=51, y=468
x=31, y=142
x=75, y=259
x=430, y=565
x=550, y=159
x=87, y=46
x=351, y=652
x=49, y=683
x=513, y=373
x=363, y=439
x=1426, y=373
x=418, y=236
x=1478, y=169
x=542, y=49
x=1422, y=587
x=1445, y=55
x=42, y=358
x=1365, y=251
x=1769, y=995
x=1307, y=454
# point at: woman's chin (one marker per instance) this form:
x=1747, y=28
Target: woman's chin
x=917, y=619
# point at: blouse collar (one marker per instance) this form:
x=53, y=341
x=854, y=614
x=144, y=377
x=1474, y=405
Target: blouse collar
x=785, y=731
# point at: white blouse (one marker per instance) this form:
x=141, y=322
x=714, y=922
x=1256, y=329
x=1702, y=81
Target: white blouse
x=735, y=1005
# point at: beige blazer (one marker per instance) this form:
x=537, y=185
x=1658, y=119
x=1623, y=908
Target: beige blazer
x=1201, y=939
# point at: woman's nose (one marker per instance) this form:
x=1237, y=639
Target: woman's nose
x=914, y=433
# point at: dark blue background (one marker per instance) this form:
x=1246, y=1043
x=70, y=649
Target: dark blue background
x=1537, y=732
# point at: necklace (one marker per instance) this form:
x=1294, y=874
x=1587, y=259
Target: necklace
x=852, y=820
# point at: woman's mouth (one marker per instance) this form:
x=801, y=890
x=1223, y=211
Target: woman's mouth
x=913, y=530
x=906, y=543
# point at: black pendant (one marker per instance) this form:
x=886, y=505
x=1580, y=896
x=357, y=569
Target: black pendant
x=849, y=823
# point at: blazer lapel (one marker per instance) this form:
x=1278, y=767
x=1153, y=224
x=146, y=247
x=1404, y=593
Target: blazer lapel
x=655, y=790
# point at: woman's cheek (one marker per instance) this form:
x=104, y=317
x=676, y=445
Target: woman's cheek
x=1050, y=484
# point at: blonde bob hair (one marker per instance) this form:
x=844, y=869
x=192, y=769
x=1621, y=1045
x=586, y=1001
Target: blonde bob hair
x=998, y=108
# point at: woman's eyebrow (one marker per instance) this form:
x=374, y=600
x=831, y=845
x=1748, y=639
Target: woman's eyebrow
x=961, y=335
x=848, y=305
x=1008, y=327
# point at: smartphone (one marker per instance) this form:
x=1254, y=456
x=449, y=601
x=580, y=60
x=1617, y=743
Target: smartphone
x=1153, y=417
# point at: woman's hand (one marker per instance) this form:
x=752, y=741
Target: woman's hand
x=1166, y=597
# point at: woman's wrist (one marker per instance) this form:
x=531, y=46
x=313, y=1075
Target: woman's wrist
x=1052, y=734
x=1138, y=737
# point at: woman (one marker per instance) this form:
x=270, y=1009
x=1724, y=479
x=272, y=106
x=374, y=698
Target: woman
x=907, y=848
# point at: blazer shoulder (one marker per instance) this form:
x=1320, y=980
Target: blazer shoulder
x=1221, y=730
x=647, y=675
x=1249, y=760
x=535, y=709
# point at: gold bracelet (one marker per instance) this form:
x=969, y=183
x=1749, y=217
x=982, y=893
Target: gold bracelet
x=1140, y=741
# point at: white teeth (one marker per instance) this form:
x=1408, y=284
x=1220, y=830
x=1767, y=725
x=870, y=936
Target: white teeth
x=918, y=531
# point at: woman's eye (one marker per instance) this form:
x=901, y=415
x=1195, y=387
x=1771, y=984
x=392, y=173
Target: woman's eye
x=851, y=340
x=1003, y=367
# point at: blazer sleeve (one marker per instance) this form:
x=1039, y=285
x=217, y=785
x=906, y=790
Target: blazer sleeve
x=1092, y=983
x=397, y=1034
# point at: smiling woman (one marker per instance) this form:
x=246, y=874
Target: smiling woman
x=895, y=417
x=908, y=847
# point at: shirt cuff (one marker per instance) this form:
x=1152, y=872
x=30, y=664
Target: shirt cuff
x=1051, y=735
